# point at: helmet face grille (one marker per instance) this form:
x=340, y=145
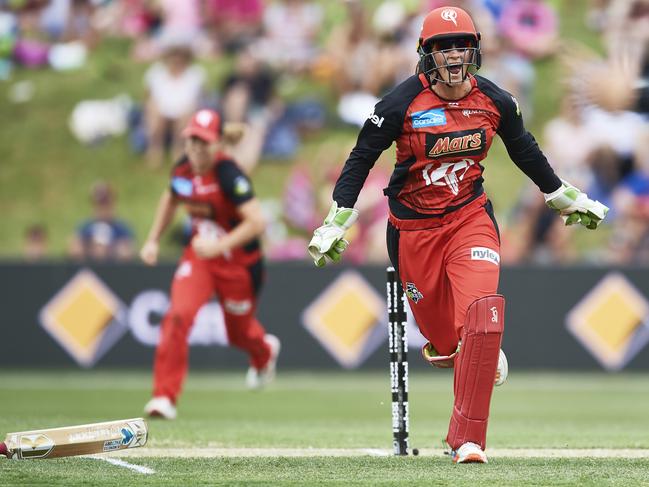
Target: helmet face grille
x=429, y=67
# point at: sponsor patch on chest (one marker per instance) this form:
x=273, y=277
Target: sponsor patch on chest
x=182, y=186
x=484, y=253
x=462, y=143
x=469, y=112
x=428, y=118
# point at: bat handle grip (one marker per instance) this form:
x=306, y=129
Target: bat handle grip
x=3, y=449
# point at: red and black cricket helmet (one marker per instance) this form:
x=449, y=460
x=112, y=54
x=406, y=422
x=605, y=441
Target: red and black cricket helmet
x=445, y=29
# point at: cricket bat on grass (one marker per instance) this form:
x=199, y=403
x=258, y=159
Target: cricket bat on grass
x=69, y=441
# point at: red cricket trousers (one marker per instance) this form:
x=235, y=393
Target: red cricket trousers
x=445, y=264
x=195, y=282
x=450, y=261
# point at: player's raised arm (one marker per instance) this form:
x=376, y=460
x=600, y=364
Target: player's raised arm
x=572, y=204
x=381, y=128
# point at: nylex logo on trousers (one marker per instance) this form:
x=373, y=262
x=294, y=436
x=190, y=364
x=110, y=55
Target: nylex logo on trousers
x=483, y=253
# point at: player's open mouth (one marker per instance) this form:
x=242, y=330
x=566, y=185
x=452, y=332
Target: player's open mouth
x=455, y=68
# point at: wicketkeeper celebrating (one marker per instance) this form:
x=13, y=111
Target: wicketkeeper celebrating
x=223, y=259
x=442, y=236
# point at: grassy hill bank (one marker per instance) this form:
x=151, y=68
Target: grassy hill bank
x=45, y=173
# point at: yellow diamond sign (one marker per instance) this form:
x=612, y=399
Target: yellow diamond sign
x=611, y=321
x=348, y=319
x=85, y=317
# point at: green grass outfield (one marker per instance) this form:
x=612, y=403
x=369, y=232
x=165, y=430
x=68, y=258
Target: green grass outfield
x=334, y=429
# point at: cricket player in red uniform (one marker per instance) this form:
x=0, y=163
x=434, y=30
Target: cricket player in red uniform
x=442, y=236
x=223, y=259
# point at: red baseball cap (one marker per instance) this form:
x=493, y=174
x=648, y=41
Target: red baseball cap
x=204, y=124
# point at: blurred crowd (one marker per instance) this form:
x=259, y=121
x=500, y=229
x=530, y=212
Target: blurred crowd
x=598, y=141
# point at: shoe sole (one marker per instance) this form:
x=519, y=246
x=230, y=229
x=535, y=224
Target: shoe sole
x=472, y=458
x=158, y=415
x=275, y=350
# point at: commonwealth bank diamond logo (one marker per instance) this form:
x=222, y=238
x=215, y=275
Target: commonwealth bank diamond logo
x=85, y=317
x=611, y=321
x=348, y=319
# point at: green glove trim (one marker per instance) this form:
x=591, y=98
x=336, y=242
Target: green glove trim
x=328, y=240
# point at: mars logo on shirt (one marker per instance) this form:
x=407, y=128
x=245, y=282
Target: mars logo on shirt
x=463, y=142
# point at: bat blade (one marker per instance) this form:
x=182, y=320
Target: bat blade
x=76, y=440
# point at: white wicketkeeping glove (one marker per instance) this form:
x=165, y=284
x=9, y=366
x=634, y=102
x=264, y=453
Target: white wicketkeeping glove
x=574, y=206
x=328, y=241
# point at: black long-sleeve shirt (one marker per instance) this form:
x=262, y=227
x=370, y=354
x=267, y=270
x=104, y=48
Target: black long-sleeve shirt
x=440, y=146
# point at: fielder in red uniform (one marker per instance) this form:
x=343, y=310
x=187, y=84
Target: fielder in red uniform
x=223, y=259
x=442, y=236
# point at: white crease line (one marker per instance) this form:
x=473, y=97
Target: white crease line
x=121, y=463
x=376, y=452
x=214, y=452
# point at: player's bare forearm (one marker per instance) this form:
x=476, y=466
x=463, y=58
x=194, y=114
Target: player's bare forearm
x=163, y=216
x=252, y=225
